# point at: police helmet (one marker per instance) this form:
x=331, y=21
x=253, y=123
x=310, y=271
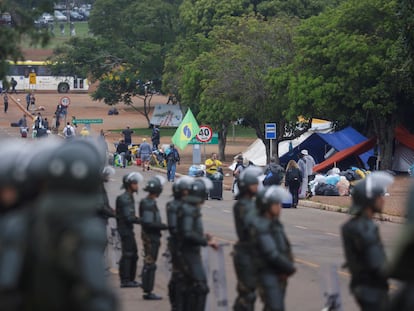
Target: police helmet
x=270, y=195
x=183, y=183
x=74, y=167
x=108, y=171
x=199, y=190
x=366, y=191
x=154, y=184
x=249, y=176
x=32, y=173
x=131, y=178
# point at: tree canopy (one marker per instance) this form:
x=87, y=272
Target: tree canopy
x=21, y=28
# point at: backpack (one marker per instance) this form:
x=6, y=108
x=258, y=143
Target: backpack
x=293, y=176
x=68, y=131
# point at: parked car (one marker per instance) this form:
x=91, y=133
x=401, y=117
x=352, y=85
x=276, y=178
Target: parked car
x=75, y=16
x=44, y=20
x=5, y=19
x=84, y=12
x=60, y=17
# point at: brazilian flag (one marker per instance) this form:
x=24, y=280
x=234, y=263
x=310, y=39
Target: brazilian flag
x=186, y=131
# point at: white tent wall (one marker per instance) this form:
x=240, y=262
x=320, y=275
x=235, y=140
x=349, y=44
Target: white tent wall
x=403, y=158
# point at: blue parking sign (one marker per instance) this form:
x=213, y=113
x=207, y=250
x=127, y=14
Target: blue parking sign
x=270, y=130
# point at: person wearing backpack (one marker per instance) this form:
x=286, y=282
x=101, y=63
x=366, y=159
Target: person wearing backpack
x=173, y=157
x=293, y=180
x=274, y=173
x=69, y=131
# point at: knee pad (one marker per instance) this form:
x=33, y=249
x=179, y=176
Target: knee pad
x=251, y=297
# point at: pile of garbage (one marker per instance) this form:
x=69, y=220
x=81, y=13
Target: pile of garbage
x=336, y=182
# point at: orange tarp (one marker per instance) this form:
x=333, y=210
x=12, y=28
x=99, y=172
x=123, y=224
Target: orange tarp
x=404, y=137
x=343, y=154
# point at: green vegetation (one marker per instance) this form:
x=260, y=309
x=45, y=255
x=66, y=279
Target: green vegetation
x=57, y=38
x=262, y=60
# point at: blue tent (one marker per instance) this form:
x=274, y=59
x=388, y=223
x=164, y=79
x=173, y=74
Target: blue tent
x=319, y=144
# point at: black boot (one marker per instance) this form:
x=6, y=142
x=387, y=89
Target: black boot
x=151, y=296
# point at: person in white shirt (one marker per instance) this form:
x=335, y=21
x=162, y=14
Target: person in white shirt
x=69, y=131
x=306, y=164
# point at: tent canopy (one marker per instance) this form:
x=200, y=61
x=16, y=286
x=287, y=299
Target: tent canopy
x=319, y=144
x=355, y=150
x=404, y=150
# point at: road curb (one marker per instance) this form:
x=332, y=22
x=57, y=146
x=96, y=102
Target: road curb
x=320, y=206
x=344, y=210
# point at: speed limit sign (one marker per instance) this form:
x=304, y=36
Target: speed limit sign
x=65, y=101
x=205, y=134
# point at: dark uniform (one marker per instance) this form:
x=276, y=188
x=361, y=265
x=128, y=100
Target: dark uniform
x=191, y=237
x=104, y=208
x=65, y=268
x=273, y=256
x=125, y=219
x=244, y=211
x=401, y=264
x=151, y=235
x=180, y=190
x=364, y=252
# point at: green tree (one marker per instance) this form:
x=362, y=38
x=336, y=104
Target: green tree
x=126, y=54
x=232, y=80
x=299, y=8
x=22, y=28
x=349, y=68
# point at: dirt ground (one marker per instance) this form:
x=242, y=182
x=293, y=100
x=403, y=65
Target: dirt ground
x=82, y=107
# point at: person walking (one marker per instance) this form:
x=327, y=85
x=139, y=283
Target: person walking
x=364, y=252
x=155, y=137
x=244, y=212
x=144, y=153
x=127, y=133
x=13, y=84
x=236, y=174
x=191, y=237
x=173, y=157
x=293, y=180
x=151, y=234
x=32, y=101
x=28, y=101
x=273, y=257
x=125, y=219
x=306, y=164
x=6, y=102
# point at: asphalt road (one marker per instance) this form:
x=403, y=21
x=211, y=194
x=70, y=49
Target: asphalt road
x=315, y=239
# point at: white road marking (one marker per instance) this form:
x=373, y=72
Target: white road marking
x=332, y=234
x=301, y=227
x=226, y=211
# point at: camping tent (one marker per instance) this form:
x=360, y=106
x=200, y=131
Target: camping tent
x=256, y=152
x=404, y=150
x=344, y=158
x=321, y=145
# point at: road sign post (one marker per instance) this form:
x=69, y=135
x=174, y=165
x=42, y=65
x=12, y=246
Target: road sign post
x=270, y=133
x=87, y=121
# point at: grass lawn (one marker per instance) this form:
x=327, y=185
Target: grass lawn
x=81, y=30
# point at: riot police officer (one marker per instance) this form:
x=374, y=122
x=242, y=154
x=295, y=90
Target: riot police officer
x=244, y=210
x=151, y=234
x=401, y=263
x=190, y=239
x=104, y=209
x=272, y=252
x=125, y=219
x=67, y=237
x=180, y=190
x=364, y=252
